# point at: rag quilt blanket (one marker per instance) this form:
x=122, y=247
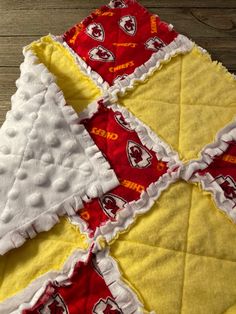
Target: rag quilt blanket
x=117, y=173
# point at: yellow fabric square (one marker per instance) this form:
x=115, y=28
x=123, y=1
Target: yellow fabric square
x=166, y=224
x=199, y=124
x=190, y=80
x=79, y=90
x=156, y=101
x=48, y=251
x=206, y=82
x=210, y=231
x=157, y=274
x=208, y=286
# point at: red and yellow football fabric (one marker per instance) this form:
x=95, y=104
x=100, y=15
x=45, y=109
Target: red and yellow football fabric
x=118, y=38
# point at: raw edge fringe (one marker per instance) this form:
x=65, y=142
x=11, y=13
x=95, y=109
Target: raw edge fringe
x=180, y=45
x=123, y=295
x=84, y=67
x=127, y=216
x=188, y=172
x=30, y=295
x=72, y=204
x=219, y=64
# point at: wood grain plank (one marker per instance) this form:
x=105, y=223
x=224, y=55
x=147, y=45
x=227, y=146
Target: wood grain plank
x=69, y=4
x=4, y=107
x=197, y=22
x=11, y=50
x=8, y=77
x=222, y=50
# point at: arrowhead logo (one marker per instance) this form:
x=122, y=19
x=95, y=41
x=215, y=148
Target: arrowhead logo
x=96, y=31
x=111, y=204
x=154, y=44
x=107, y=306
x=117, y=4
x=128, y=24
x=55, y=305
x=100, y=53
x=228, y=186
x=121, y=121
x=138, y=156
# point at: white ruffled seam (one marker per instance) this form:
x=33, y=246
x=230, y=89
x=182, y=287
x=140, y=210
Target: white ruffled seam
x=123, y=295
x=27, y=298
x=209, y=184
x=190, y=171
x=180, y=45
x=106, y=177
x=127, y=216
x=84, y=67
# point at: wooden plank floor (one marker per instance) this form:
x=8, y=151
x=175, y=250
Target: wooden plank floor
x=211, y=23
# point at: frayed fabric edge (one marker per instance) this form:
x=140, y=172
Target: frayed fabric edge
x=126, y=217
x=180, y=45
x=106, y=177
x=123, y=295
x=208, y=183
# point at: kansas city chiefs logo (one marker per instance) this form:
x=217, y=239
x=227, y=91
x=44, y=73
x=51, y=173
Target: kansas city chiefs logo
x=154, y=44
x=128, y=24
x=138, y=156
x=107, y=306
x=228, y=185
x=121, y=121
x=100, y=53
x=117, y=4
x=96, y=31
x=55, y=305
x=111, y=204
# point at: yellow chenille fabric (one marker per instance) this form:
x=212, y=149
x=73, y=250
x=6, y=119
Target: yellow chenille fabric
x=78, y=89
x=186, y=102
x=181, y=255
x=48, y=251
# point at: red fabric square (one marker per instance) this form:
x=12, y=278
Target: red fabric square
x=136, y=166
x=84, y=292
x=116, y=39
x=223, y=170
x=216, y=170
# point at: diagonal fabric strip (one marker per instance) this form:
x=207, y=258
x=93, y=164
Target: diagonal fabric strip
x=48, y=163
x=215, y=170
x=144, y=164
x=87, y=284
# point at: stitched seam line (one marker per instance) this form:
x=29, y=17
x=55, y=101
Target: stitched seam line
x=186, y=250
x=180, y=103
x=181, y=252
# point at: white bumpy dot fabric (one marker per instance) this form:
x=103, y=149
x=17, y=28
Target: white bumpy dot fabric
x=48, y=163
